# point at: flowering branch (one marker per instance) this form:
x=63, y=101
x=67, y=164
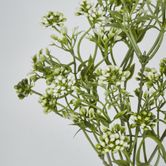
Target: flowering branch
x=93, y=93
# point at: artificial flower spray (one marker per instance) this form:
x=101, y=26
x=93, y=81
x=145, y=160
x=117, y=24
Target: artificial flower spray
x=93, y=92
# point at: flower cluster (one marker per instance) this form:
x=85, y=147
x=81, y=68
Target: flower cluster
x=113, y=139
x=112, y=75
x=63, y=84
x=151, y=76
x=146, y=120
x=83, y=116
x=45, y=67
x=39, y=62
x=107, y=34
x=53, y=19
x=94, y=14
x=48, y=101
x=163, y=66
x=85, y=6
x=87, y=113
x=23, y=88
x=53, y=72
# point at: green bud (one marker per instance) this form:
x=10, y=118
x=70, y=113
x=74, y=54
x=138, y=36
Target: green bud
x=83, y=111
x=23, y=88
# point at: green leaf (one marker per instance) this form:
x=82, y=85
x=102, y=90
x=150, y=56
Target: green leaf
x=77, y=132
x=140, y=37
x=88, y=70
x=103, y=120
x=131, y=69
x=121, y=162
x=151, y=135
x=116, y=15
x=142, y=19
x=120, y=114
x=82, y=65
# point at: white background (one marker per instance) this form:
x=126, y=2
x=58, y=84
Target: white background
x=27, y=136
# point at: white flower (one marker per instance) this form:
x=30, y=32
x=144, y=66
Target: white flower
x=121, y=142
x=64, y=80
x=58, y=87
x=103, y=144
x=122, y=137
x=125, y=144
x=107, y=140
x=112, y=138
x=111, y=145
x=59, y=78
x=117, y=148
x=117, y=142
x=63, y=88
x=116, y=135
x=105, y=135
x=122, y=148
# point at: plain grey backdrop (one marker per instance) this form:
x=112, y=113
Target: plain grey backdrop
x=27, y=136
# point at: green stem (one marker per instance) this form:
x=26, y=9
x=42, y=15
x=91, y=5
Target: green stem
x=159, y=37
x=89, y=140
x=138, y=110
x=112, y=56
x=128, y=157
x=120, y=154
x=79, y=43
x=74, y=62
x=156, y=48
x=93, y=146
x=95, y=52
x=109, y=159
x=37, y=93
x=134, y=44
x=156, y=148
x=128, y=54
x=130, y=134
x=157, y=160
x=144, y=151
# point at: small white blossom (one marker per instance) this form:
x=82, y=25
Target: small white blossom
x=111, y=139
x=53, y=19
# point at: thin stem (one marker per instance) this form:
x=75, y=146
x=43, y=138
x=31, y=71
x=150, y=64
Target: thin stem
x=112, y=56
x=89, y=140
x=128, y=54
x=79, y=43
x=120, y=154
x=128, y=158
x=74, y=62
x=157, y=46
x=156, y=148
x=93, y=146
x=37, y=93
x=155, y=43
x=144, y=151
x=109, y=159
x=130, y=134
x=95, y=52
x=138, y=110
x=135, y=46
x=157, y=160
